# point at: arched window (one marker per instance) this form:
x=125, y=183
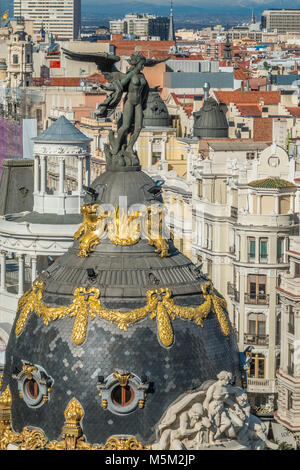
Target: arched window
x=122, y=396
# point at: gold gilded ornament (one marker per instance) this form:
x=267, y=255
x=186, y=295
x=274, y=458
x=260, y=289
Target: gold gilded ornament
x=87, y=304
x=5, y=398
x=122, y=228
x=131, y=443
x=122, y=378
x=90, y=230
x=72, y=434
x=28, y=369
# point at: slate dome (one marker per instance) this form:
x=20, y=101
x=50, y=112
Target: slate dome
x=122, y=311
x=210, y=122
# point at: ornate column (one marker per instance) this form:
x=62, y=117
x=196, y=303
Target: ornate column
x=43, y=174
x=36, y=174
x=33, y=268
x=258, y=204
x=61, y=175
x=21, y=275
x=88, y=170
x=2, y=270
x=80, y=174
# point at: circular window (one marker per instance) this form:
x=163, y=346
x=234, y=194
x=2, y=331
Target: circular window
x=32, y=389
x=122, y=396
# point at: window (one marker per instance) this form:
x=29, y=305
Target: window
x=289, y=400
x=291, y=324
x=257, y=366
x=280, y=245
x=290, y=359
x=263, y=249
x=250, y=155
x=32, y=388
x=251, y=248
x=34, y=385
x=122, y=393
x=122, y=396
x=257, y=328
x=200, y=189
x=256, y=289
x=156, y=156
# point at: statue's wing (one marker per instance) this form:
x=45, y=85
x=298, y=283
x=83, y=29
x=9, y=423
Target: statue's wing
x=105, y=62
x=153, y=62
x=114, y=76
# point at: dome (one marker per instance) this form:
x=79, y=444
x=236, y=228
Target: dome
x=121, y=326
x=62, y=131
x=156, y=113
x=210, y=122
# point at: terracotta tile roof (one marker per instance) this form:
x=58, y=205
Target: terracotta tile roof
x=239, y=74
x=58, y=81
x=263, y=129
x=248, y=97
x=178, y=98
x=294, y=111
x=189, y=109
x=256, y=83
x=249, y=109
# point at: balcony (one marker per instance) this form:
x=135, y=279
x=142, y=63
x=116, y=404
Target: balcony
x=257, y=299
x=256, y=385
x=258, y=340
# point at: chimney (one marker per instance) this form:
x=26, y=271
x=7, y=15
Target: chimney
x=206, y=88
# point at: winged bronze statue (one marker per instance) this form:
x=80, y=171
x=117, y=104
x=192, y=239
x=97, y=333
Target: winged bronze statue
x=119, y=152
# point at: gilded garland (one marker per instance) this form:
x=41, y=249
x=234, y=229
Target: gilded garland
x=87, y=304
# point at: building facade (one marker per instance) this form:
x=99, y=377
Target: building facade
x=62, y=19
x=288, y=375
x=282, y=20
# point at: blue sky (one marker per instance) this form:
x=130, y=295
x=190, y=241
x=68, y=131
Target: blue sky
x=247, y=4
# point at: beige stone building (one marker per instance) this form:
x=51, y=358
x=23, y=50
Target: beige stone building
x=288, y=375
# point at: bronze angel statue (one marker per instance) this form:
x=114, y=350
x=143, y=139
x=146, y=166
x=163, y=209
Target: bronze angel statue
x=120, y=151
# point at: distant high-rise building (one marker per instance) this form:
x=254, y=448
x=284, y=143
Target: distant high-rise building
x=62, y=19
x=141, y=26
x=281, y=20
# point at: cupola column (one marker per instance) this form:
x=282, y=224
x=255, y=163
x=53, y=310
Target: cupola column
x=2, y=270
x=36, y=174
x=43, y=174
x=62, y=175
x=21, y=274
x=80, y=174
x=88, y=171
x=33, y=268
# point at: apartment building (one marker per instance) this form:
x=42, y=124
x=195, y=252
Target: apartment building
x=288, y=375
x=62, y=19
x=141, y=26
x=282, y=20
